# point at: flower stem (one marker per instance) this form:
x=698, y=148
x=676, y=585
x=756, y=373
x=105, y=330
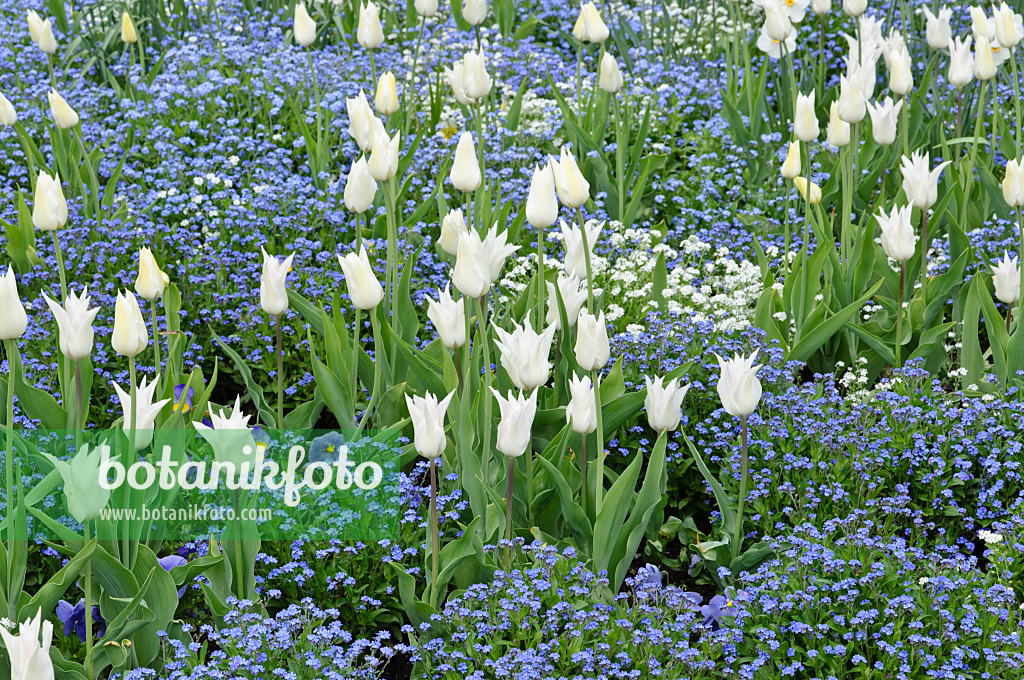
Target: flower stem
x=1020, y=260
x=485, y=454
x=599, y=434
x=586, y=258
x=8, y=459
x=280, y=374
x=508, y=509
x=583, y=473
x=435, y=533
x=378, y=361
x=156, y=342
x=59, y=254
x=899, y=316
x=741, y=500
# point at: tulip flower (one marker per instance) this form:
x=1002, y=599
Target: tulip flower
x=383, y=163
x=575, y=256
x=609, y=76
x=524, y=354
x=453, y=226
x=572, y=187
x=791, y=166
x=360, y=187
x=465, y=172
x=920, y=184
x=581, y=413
x=369, y=33
x=1008, y=26
x=1006, y=277
x=128, y=33
x=821, y=8
x=457, y=80
x=899, y=240
x=590, y=27
x=273, y=296
x=363, y=288
x=496, y=250
x=8, y=116
x=514, y=428
x=573, y=297
x=386, y=96
x=892, y=47
x=475, y=80
x=151, y=281
x=883, y=120
x=937, y=30
x=901, y=77
x=30, y=658
x=592, y=349
x=361, y=121
x=130, y=334
x=472, y=272
x=74, y=324
x=979, y=24
x=984, y=64
x=13, y=319
x=663, y=403
x=41, y=32
x=852, y=102
x=449, y=318
x=63, y=115
x=1013, y=184
x=838, y=130
x=426, y=8
x=961, y=63
x=777, y=25
x=805, y=121
x=303, y=26
x=143, y=417
x=773, y=48
x=86, y=497
x=427, y=414
x=795, y=10
x=854, y=8
x=474, y=12
x=228, y=434
x=801, y=186
x=738, y=386
x=49, y=208
x=542, y=201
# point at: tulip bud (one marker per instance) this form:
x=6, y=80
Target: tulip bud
x=496, y=250
x=575, y=254
x=144, y=413
x=13, y=319
x=791, y=166
x=475, y=80
x=805, y=120
x=130, y=335
x=590, y=27
x=854, y=8
x=369, y=33
x=383, y=164
x=979, y=23
x=899, y=239
x=472, y=272
x=663, y=403
x=449, y=318
x=30, y=659
x=573, y=188
x=821, y=8
x=465, y=173
x=738, y=386
x=961, y=63
x=984, y=63
x=362, y=124
x=49, y=209
x=883, y=121
x=273, y=295
x=8, y=116
x=229, y=435
x=937, y=30
x=610, y=77
x=453, y=226
x=592, y=350
x=517, y=413
x=801, y=186
x=838, y=131
x=151, y=282
x=901, y=78
x=920, y=184
x=128, y=33
x=1013, y=184
x=303, y=26
x=581, y=413
x=524, y=354
x=74, y=324
x=426, y=8
x=1008, y=26
x=573, y=296
x=63, y=115
x=41, y=33
x=474, y=11
x=1006, y=277
x=360, y=187
x=386, y=96
x=542, y=201
x=852, y=104
x=363, y=288
x=457, y=80
x=427, y=416
x=777, y=25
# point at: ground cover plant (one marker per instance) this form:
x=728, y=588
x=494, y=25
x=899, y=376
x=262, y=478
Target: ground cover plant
x=511, y=339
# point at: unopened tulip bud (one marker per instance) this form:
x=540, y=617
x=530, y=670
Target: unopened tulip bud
x=449, y=318
x=984, y=63
x=383, y=163
x=364, y=289
x=8, y=116
x=581, y=413
x=128, y=33
x=369, y=33
x=474, y=12
x=472, y=272
x=465, y=172
x=898, y=237
x=427, y=414
x=838, y=130
x=49, y=208
x=572, y=187
x=362, y=124
x=777, y=24
x=821, y=7
x=13, y=319
x=151, y=281
x=854, y=8
x=791, y=166
x=852, y=104
x=738, y=386
x=41, y=32
x=386, y=96
x=453, y=226
x=663, y=403
x=426, y=8
x=475, y=79
x=63, y=115
x=542, y=201
x=360, y=187
x=805, y=120
x=303, y=26
x=961, y=62
x=610, y=77
x=131, y=335
x=516, y=424
x=1006, y=277
x=590, y=27
x=592, y=349
x=1013, y=184
x=273, y=295
x=901, y=77
x=801, y=186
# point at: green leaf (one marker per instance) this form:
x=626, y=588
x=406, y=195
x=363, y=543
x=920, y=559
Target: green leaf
x=267, y=415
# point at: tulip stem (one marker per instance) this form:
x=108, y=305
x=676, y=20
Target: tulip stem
x=357, y=329
x=485, y=454
x=156, y=341
x=280, y=374
x=899, y=315
x=620, y=159
x=599, y=434
x=87, y=577
x=435, y=533
x=741, y=499
x=80, y=402
x=126, y=557
x=586, y=258
x=1020, y=262
x=378, y=360
x=583, y=473
x=541, y=282
x=508, y=508
x=924, y=255
x=60, y=266
x=8, y=459
x=316, y=162
x=804, y=246
x=1016, y=101
x=392, y=254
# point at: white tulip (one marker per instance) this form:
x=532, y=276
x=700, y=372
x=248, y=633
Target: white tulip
x=63, y=115
x=427, y=415
x=472, y=272
x=1013, y=184
x=791, y=166
x=592, y=348
x=573, y=295
x=30, y=658
x=920, y=183
x=590, y=27
x=663, y=403
x=303, y=26
x=151, y=281
x=777, y=25
x=130, y=335
x=524, y=354
x=984, y=63
x=937, y=30
x=364, y=289
x=514, y=428
x=542, y=201
x=453, y=226
x=961, y=62
x=475, y=80
x=386, y=96
x=1006, y=277
x=884, y=118
x=852, y=101
x=448, y=317
x=465, y=172
x=838, y=130
x=901, y=77
x=496, y=251
x=426, y=8
x=369, y=33
x=145, y=411
x=362, y=123
x=383, y=163
x=13, y=318
x=360, y=187
x=273, y=295
x=49, y=208
x=898, y=237
x=74, y=324
x=581, y=413
x=575, y=255
x=805, y=120
x=855, y=8
x=8, y=116
x=230, y=437
x=1007, y=25
x=572, y=187
x=738, y=386
x=474, y=11
x=609, y=76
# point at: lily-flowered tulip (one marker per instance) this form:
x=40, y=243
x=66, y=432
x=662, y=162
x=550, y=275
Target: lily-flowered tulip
x=145, y=411
x=453, y=226
x=427, y=414
x=774, y=48
x=609, y=76
x=426, y=8
x=229, y=435
x=497, y=250
x=369, y=33
x=738, y=386
x=475, y=80
x=383, y=163
x=854, y=8
x=8, y=116
x=575, y=255
x=590, y=27
x=41, y=32
x=514, y=428
x=74, y=324
x=801, y=186
x=130, y=333
x=1006, y=277
x=86, y=498
x=362, y=124
x=1013, y=184
x=542, y=201
x=791, y=166
x=151, y=281
x=901, y=77
x=852, y=101
x=573, y=188
x=524, y=354
x=883, y=120
x=448, y=317
x=465, y=172
x=63, y=115
x=984, y=63
x=838, y=130
x=899, y=240
x=128, y=33
x=920, y=182
x=273, y=295
x=805, y=120
x=581, y=413
x=13, y=319
x=49, y=208
x=457, y=80
x=937, y=30
x=385, y=98
x=592, y=349
x=303, y=26
x=777, y=25
x=30, y=657
x=472, y=272
x=821, y=7
x=360, y=187
x=474, y=12
x=663, y=403
x=364, y=289
x=961, y=62
x=573, y=298
x=1007, y=26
